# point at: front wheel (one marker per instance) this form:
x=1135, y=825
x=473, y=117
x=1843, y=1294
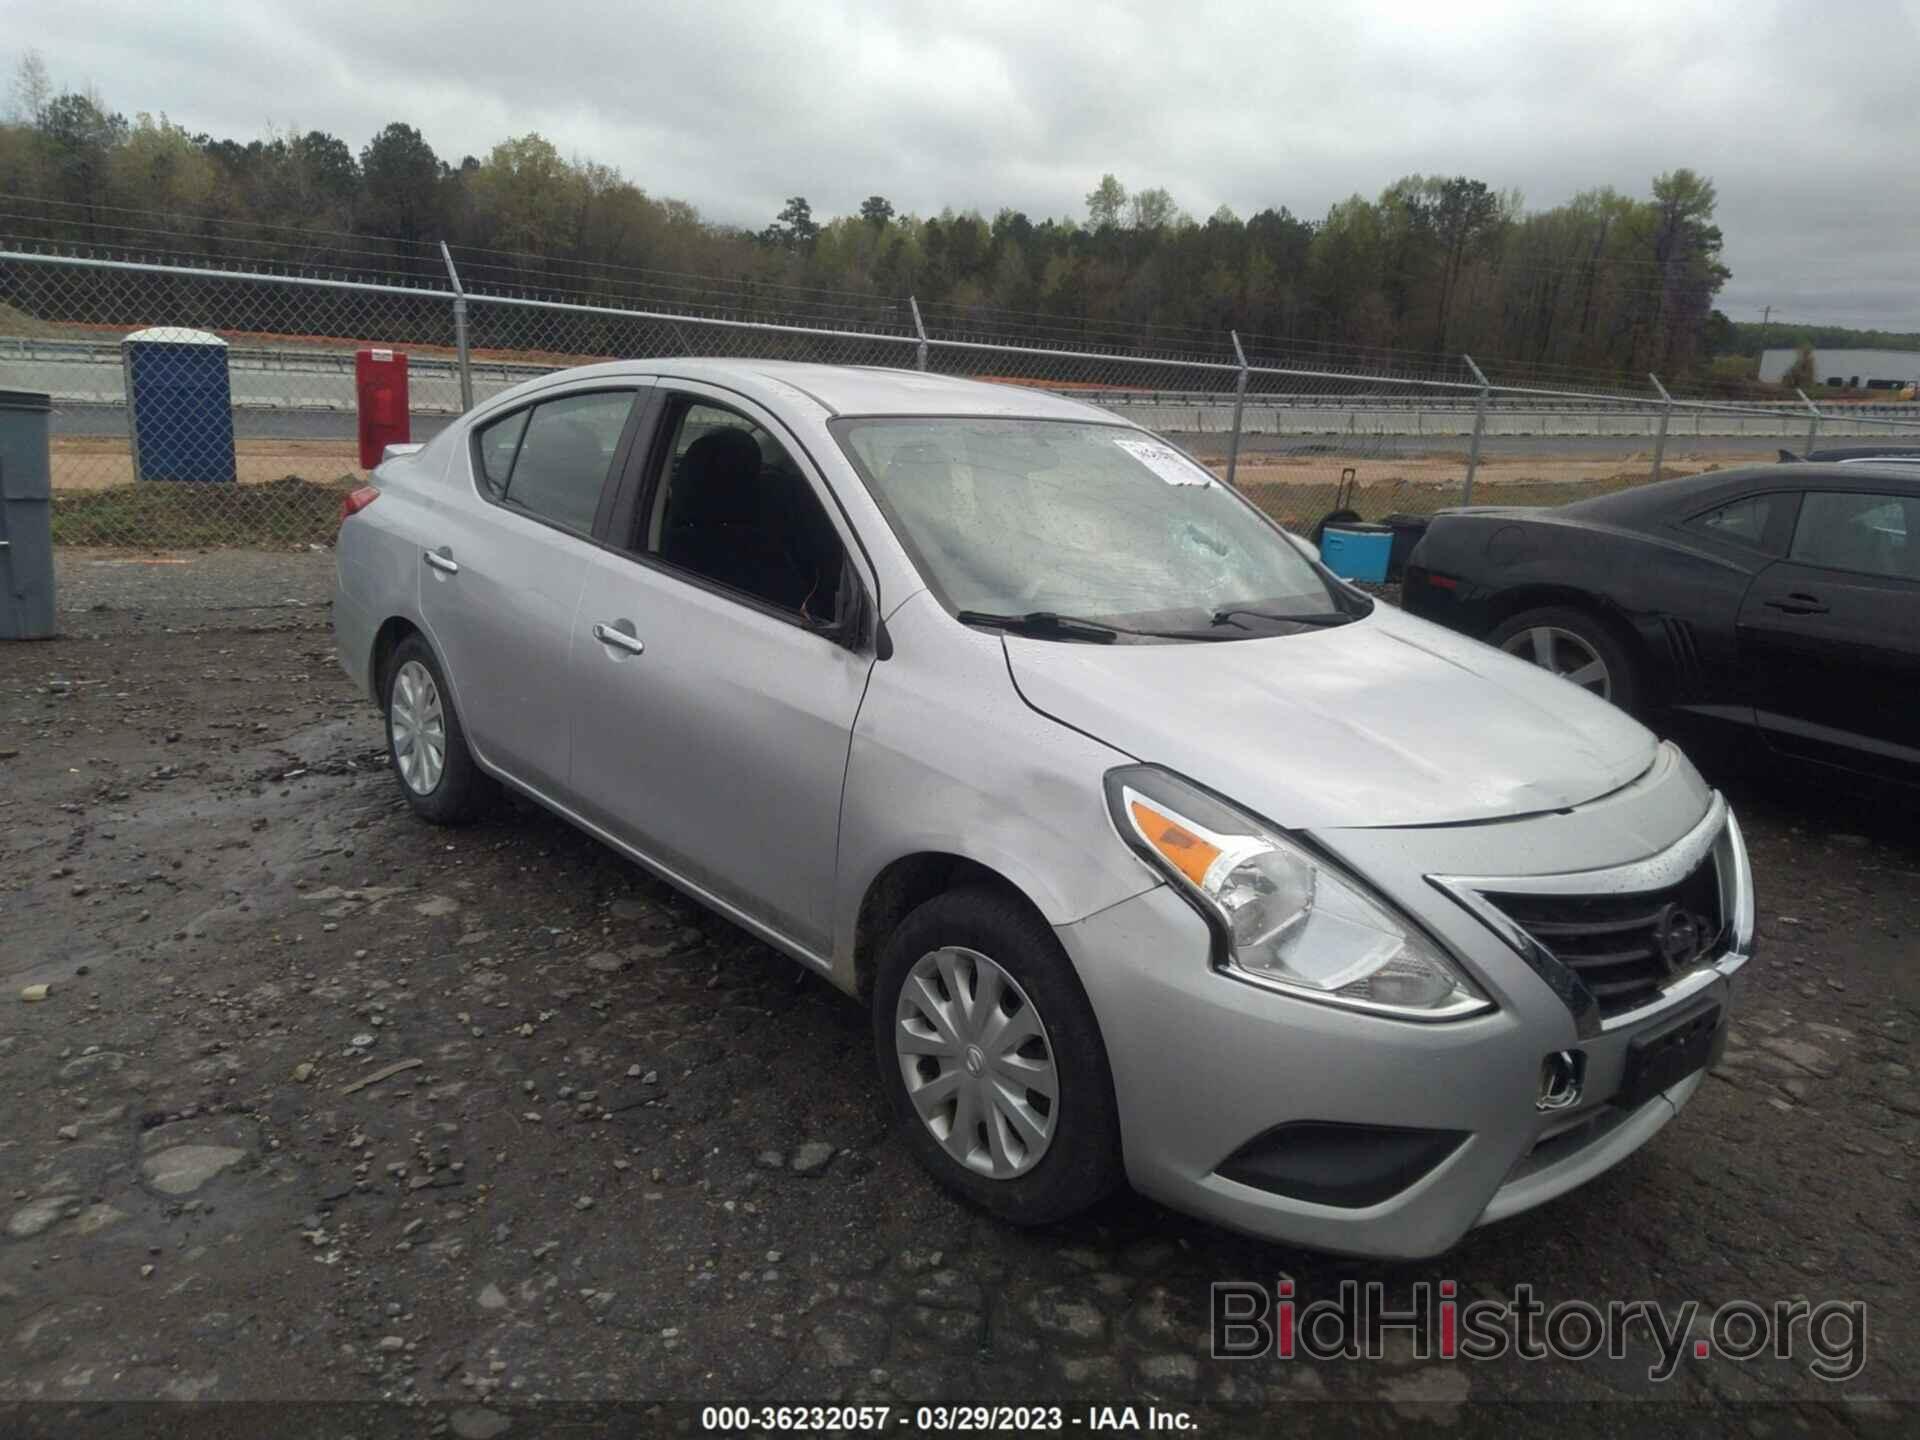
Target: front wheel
x=993, y=1060
x=1575, y=646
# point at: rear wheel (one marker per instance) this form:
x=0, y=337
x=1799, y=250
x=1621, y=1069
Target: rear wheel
x=1575, y=646
x=425, y=743
x=992, y=1058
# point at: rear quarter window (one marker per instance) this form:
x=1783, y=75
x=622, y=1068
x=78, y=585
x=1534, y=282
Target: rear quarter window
x=498, y=443
x=1743, y=521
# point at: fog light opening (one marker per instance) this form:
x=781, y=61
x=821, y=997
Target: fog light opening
x=1563, y=1075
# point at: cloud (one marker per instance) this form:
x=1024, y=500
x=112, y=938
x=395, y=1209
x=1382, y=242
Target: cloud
x=1798, y=113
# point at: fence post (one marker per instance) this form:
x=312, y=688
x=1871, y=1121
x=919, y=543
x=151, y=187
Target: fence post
x=1239, y=408
x=1813, y=425
x=1479, y=429
x=920, y=350
x=1666, y=414
x=460, y=330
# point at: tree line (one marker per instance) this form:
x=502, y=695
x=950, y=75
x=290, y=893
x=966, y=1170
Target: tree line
x=1433, y=265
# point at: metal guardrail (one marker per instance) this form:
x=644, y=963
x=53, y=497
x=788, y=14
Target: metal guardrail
x=429, y=369
x=1379, y=442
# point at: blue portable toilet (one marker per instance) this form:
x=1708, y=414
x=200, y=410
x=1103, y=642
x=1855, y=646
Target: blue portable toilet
x=179, y=405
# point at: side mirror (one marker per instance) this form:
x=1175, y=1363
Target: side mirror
x=857, y=616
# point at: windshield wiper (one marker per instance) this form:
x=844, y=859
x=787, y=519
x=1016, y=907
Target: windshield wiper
x=1047, y=624
x=1043, y=622
x=1323, y=618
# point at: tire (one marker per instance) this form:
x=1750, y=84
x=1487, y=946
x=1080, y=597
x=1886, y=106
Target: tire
x=423, y=725
x=1564, y=633
x=1079, y=1162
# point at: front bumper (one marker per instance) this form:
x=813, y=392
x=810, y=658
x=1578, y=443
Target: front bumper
x=1203, y=1064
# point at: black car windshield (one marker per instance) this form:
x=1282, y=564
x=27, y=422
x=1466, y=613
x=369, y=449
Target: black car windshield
x=1011, y=518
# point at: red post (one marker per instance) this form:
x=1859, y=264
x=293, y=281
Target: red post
x=380, y=392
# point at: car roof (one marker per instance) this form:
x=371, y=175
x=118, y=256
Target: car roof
x=1859, y=454
x=856, y=389
x=1657, y=499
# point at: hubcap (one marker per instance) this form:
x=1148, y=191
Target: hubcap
x=977, y=1062
x=1565, y=654
x=419, y=726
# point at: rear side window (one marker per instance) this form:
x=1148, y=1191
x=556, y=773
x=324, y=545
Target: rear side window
x=552, y=460
x=1744, y=521
x=1870, y=534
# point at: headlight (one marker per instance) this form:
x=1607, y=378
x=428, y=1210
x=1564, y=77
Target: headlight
x=1286, y=919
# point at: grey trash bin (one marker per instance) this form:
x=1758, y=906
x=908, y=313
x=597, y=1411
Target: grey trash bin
x=26, y=517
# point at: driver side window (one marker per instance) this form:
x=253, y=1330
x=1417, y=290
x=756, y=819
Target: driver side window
x=730, y=506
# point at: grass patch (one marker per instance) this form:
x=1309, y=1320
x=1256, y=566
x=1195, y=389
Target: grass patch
x=1297, y=507
x=162, y=515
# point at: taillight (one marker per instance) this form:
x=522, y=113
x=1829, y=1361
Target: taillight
x=357, y=500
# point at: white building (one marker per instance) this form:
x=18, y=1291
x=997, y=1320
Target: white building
x=1878, y=369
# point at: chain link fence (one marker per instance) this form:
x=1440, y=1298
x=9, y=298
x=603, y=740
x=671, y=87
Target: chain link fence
x=206, y=407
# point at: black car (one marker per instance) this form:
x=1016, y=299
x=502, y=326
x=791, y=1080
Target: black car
x=1858, y=455
x=1780, y=601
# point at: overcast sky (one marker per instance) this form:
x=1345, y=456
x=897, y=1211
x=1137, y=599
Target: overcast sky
x=1802, y=114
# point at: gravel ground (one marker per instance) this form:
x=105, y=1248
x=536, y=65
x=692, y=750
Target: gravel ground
x=636, y=1157
x=103, y=591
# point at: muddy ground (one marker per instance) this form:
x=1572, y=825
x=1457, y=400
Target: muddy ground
x=640, y=1158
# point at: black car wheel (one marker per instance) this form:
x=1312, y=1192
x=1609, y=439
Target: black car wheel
x=1576, y=647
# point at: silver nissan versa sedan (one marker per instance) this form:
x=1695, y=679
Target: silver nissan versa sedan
x=1158, y=852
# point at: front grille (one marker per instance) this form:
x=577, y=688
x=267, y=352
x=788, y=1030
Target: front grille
x=1625, y=947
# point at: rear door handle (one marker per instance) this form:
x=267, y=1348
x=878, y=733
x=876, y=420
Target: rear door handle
x=441, y=561
x=619, y=639
x=1798, y=603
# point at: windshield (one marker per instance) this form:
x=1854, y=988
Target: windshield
x=1097, y=522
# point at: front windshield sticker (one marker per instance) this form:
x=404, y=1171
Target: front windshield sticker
x=1170, y=465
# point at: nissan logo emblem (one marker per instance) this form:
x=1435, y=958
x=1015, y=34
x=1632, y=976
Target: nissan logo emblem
x=1678, y=935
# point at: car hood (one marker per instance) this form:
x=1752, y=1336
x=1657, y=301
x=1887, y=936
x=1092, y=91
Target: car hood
x=1387, y=721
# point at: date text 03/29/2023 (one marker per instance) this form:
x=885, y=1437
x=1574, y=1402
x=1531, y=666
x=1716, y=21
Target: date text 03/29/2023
x=954, y=1418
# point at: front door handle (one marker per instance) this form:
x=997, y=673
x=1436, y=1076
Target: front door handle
x=1798, y=603
x=440, y=560
x=619, y=639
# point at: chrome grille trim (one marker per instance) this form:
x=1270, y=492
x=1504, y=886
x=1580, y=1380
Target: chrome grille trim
x=1716, y=836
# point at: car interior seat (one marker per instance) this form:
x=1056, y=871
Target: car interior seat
x=722, y=521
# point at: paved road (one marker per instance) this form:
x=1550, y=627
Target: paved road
x=111, y=420
x=258, y=379
x=1491, y=446
x=92, y=392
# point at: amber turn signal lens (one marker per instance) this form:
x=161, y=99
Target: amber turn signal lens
x=1183, y=849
